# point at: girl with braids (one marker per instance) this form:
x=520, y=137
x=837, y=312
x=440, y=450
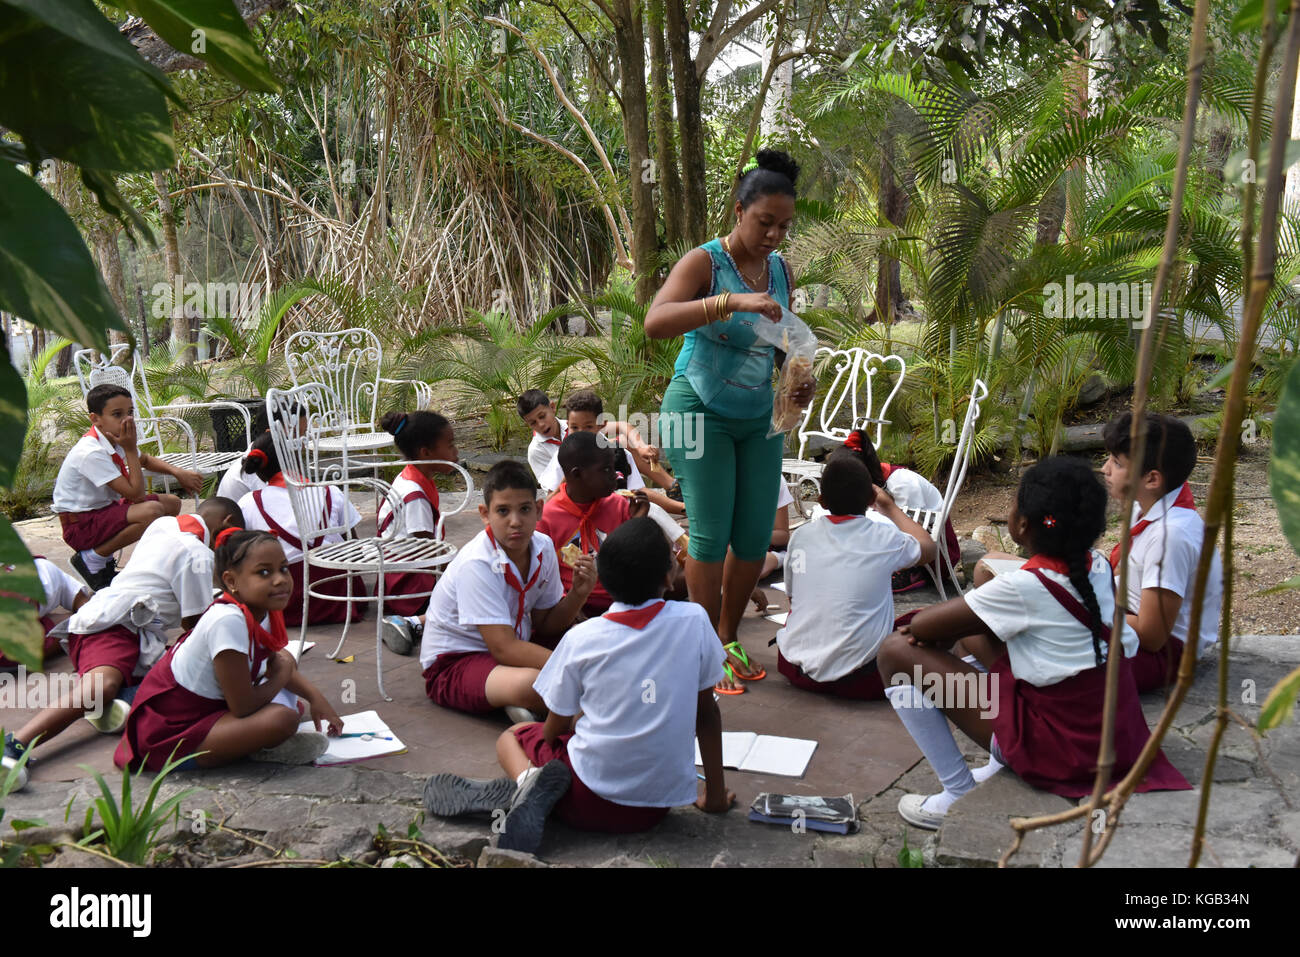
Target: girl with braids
x=1042, y=633
x=268, y=509
x=230, y=687
x=717, y=409
x=420, y=437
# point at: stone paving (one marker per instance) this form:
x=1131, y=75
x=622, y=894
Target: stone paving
x=331, y=813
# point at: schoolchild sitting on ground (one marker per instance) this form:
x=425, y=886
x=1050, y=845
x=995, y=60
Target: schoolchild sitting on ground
x=1166, y=546
x=269, y=510
x=837, y=580
x=420, y=437
x=116, y=636
x=586, y=508
x=1043, y=633
x=61, y=591
x=501, y=591
x=230, y=687
x=910, y=490
x=99, y=494
x=235, y=482
x=628, y=692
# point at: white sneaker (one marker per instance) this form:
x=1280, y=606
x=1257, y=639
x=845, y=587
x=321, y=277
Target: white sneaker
x=113, y=720
x=911, y=808
x=518, y=715
x=7, y=766
x=398, y=635
x=302, y=748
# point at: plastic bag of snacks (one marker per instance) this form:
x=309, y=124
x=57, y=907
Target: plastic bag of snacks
x=793, y=337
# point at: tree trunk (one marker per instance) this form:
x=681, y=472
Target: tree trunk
x=630, y=38
x=686, y=88
x=109, y=258
x=668, y=176
x=179, y=327
x=892, y=210
x=133, y=283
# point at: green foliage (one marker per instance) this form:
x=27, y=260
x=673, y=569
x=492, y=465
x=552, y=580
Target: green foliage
x=1280, y=703
x=128, y=833
x=910, y=856
x=12, y=855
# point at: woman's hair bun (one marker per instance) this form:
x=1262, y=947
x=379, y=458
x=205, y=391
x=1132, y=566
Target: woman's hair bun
x=778, y=161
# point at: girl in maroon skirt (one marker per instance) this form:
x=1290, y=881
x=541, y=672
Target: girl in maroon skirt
x=229, y=689
x=269, y=509
x=1041, y=634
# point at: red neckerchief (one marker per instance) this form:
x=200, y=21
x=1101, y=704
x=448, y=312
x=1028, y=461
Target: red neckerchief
x=1058, y=565
x=273, y=640
x=194, y=526
x=93, y=433
x=512, y=579
x=837, y=519
x=424, y=482
x=1184, y=500
x=636, y=618
x=886, y=470
x=587, y=539
x=550, y=441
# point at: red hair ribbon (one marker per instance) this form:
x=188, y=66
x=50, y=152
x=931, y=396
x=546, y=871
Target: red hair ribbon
x=854, y=441
x=257, y=455
x=222, y=535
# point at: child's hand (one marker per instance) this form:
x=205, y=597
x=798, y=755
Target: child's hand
x=189, y=480
x=884, y=502
x=281, y=666
x=711, y=803
x=322, y=710
x=649, y=452
x=638, y=504
x=584, y=574
x=128, y=439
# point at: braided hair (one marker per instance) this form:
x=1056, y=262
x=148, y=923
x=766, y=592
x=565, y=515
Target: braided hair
x=234, y=549
x=1065, y=506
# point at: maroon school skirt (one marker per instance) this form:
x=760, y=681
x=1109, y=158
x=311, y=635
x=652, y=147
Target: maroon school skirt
x=322, y=611
x=83, y=530
x=1050, y=735
x=458, y=680
x=865, y=684
x=581, y=807
x=1153, y=670
x=165, y=719
x=402, y=584
x=117, y=647
x=49, y=649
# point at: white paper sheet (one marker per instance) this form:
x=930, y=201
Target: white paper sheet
x=779, y=586
x=763, y=753
x=778, y=616
x=306, y=647
x=349, y=750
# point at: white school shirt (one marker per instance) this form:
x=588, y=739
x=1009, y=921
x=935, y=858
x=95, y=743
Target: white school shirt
x=1165, y=555
x=237, y=483
x=82, y=483
x=473, y=591
x=276, y=502
x=667, y=524
x=542, y=451
x=417, y=514
x=636, y=690
x=1045, y=643
x=222, y=628
x=169, y=577
x=553, y=477
x=61, y=589
x=837, y=576
x=911, y=490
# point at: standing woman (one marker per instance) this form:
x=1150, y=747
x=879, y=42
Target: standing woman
x=729, y=470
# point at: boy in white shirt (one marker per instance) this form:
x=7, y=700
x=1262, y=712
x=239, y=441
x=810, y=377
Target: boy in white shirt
x=118, y=635
x=1166, y=546
x=837, y=576
x=628, y=693
x=99, y=494
x=477, y=650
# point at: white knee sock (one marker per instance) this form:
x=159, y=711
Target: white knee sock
x=986, y=772
x=95, y=562
x=929, y=729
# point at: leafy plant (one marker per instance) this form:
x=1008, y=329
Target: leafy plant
x=11, y=855
x=910, y=856
x=129, y=834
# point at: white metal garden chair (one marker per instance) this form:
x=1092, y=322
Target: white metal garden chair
x=934, y=520
x=306, y=476
x=348, y=362
x=95, y=369
x=850, y=401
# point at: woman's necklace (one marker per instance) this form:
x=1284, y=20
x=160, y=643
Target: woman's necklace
x=760, y=283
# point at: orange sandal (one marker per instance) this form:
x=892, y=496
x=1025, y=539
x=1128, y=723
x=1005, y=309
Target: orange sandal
x=736, y=649
x=731, y=675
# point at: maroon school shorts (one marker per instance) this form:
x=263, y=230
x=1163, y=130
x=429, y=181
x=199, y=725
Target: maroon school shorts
x=865, y=684
x=83, y=530
x=582, y=807
x=459, y=680
x=1154, y=670
x=118, y=647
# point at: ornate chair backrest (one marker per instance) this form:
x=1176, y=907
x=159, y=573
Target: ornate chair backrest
x=853, y=372
x=347, y=362
x=299, y=418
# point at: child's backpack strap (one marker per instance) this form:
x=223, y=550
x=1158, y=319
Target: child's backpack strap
x=1070, y=603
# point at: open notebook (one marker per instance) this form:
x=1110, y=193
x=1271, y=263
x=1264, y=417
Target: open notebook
x=764, y=753
x=349, y=749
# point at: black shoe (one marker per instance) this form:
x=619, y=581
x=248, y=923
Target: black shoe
x=450, y=795
x=525, y=822
x=675, y=493
x=99, y=580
